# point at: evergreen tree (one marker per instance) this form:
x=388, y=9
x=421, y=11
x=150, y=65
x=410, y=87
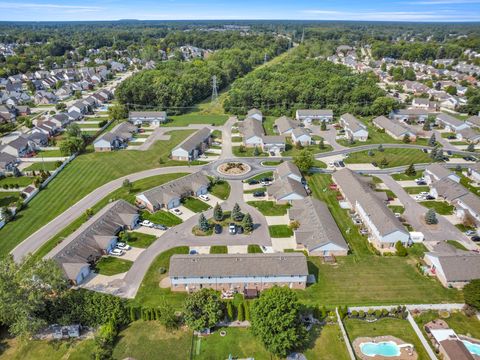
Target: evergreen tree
x=256, y=152
x=401, y=250
x=203, y=223
x=371, y=153
x=471, y=147
x=240, y=312
x=410, y=171
x=426, y=126
x=323, y=126
x=230, y=310
x=351, y=141
x=246, y=307
x=247, y=222
x=431, y=217
x=237, y=213
x=439, y=155
x=384, y=162
x=321, y=144
x=406, y=139
x=218, y=213
x=432, y=141
x=433, y=153
x=380, y=148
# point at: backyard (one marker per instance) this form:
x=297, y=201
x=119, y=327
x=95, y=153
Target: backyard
x=394, y=157
x=456, y=320
x=7, y=198
x=269, y=208
x=220, y=189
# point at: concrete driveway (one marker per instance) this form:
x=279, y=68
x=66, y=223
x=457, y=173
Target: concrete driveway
x=132, y=254
x=149, y=231
x=186, y=213
x=277, y=220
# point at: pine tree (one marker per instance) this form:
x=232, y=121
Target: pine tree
x=247, y=222
x=432, y=141
x=237, y=213
x=321, y=144
x=433, y=154
x=246, y=307
x=426, y=126
x=203, y=223
x=439, y=155
x=218, y=213
x=256, y=152
x=380, y=148
x=431, y=217
x=384, y=162
x=351, y=141
x=240, y=312
x=229, y=310
x=406, y=138
x=471, y=147
x=410, y=171
x=323, y=126
x=371, y=153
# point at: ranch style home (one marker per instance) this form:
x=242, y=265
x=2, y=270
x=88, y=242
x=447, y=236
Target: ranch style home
x=193, y=146
x=393, y=128
x=307, y=116
x=151, y=118
x=449, y=123
x=354, y=129
x=255, y=114
x=410, y=115
x=170, y=195
x=287, y=185
x=95, y=238
x=238, y=272
x=117, y=138
x=435, y=172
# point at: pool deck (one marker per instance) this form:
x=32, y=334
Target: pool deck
x=406, y=353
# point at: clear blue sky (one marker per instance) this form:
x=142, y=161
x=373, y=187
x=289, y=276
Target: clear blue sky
x=376, y=10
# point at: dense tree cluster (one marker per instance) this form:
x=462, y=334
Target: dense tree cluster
x=301, y=82
x=416, y=51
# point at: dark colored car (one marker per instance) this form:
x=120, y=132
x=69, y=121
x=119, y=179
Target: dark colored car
x=267, y=179
x=341, y=163
x=475, y=238
x=374, y=163
x=218, y=229
x=253, y=182
x=449, y=153
x=429, y=197
x=425, y=151
x=259, y=193
x=160, y=227
x=451, y=137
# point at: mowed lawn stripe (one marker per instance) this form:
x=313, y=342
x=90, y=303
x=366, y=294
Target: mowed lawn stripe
x=79, y=178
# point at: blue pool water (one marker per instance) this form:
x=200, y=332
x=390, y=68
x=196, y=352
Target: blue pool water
x=473, y=348
x=386, y=348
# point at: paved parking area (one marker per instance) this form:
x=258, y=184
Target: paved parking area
x=280, y=244
x=213, y=200
x=149, y=231
x=277, y=220
x=200, y=249
x=238, y=249
x=132, y=254
x=250, y=197
x=247, y=186
x=186, y=213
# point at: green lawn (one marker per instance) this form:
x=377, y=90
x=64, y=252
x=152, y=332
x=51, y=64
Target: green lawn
x=268, y=123
x=319, y=164
x=387, y=326
x=218, y=249
x=247, y=151
x=403, y=176
x=237, y=139
x=272, y=163
x=413, y=190
x=254, y=249
x=150, y=293
x=457, y=245
x=84, y=174
x=465, y=181
x=195, y=205
x=187, y=119
x=162, y=217
x=45, y=165
x=395, y=157
x=397, y=209
x=440, y=207
x=363, y=278
x=50, y=153
x=8, y=197
x=111, y=265
x=326, y=343
x=266, y=174
x=251, y=191
x=140, y=240
x=21, y=181
x=458, y=321
x=280, y=231
x=292, y=150
x=269, y=208
x=221, y=190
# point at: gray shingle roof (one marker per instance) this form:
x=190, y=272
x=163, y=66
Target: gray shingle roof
x=449, y=189
x=352, y=122
x=284, y=124
x=283, y=187
x=450, y=120
x=285, y=169
x=161, y=114
x=461, y=266
x=285, y=264
x=251, y=127
x=194, y=140
x=391, y=126
x=438, y=171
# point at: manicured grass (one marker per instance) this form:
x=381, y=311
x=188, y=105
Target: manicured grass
x=413, y=190
x=162, y=217
x=266, y=174
x=403, y=176
x=272, y=163
x=395, y=157
x=440, y=207
x=251, y=191
x=375, y=136
x=386, y=326
x=319, y=164
x=187, y=119
x=268, y=123
x=247, y=151
x=111, y=265
x=280, y=231
x=195, y=205
x=292, y=150
x=21, y=181
x=218, y=249
x=363, y=278
x=270, y=208
x=217, y=134
x=457, y=321
x=150, y=293
x=50, y=153
x=465, y=181
x=457, y=245
x=46, y=165
x=446, y=135
x=237, y=139
x=140, y=240
x=8, y=197
x=84, y=174
x=397, y=209
x=254, y=249
x=221, y=189
x=326, y=343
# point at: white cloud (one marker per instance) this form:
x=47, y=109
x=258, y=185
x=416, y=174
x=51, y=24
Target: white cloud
x=43, y=6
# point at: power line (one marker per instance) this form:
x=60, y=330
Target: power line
x=214, y=88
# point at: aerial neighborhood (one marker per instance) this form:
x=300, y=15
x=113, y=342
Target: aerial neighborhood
x=244, y=189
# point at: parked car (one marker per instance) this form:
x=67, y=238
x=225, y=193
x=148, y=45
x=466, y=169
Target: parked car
x=204, y=197
x=140, y=206
x=253, y=182
x=424, y=193
x=421, y=183
x=341, y=163
x=449, y=153
x=146, y=223
x=272, y=153
x=398, y=215
x=429, y=197
x=374, y=163
x=218, y=229
x=160, y=227
x=469, y=158
x=451, y=137
x=475, y=238
x=122, y=246
x=425, y=151
x=259, y=194
x=364, y=231
x=177, y=211
x=265, y=183
x=116, y=252
x=232, y=229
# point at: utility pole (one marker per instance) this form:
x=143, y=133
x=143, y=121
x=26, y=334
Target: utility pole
x=214, y=88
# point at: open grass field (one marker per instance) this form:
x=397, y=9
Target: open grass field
x=413, y=190
x=280, y=231
x=395, y=157
x=140, y=240
x=269, y=208
x=221, y=190
x=14, y=180
x=8, y=197
x=363, y=278
x=440, y=207
x=84, y=174
x=187, y=119
x=388, y=326
x=195, y=205
x=110, y=265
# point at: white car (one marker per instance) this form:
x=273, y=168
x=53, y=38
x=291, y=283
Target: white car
x=424, y=193
x=116, y=252
x=204, y=197
x=398, y=215
x=146, y=223
x=419, y=197
x=265, y=183
x=176, y=211
x=122, y=246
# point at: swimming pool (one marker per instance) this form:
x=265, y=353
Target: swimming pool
x=473, y=348
x=385, y=348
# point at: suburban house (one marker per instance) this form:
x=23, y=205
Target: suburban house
x=8, y=164
x=241, y=272
x=468, y=207
x=425, y=103
x=152, y=118
x=79, y=107
x=284, y=125
x=468, y=135
x=449, y=123
x=474, y=172
x=95, y=238
x=169, y=195
x=317, y=232
x=452, y=267
x=448, y=344
x=288, y=169
x=408, y=115
x=435, y=172
x=273, y=143
x=255, y=114
x=252, y=132
x=353, y=128
x=447, y=189
x=301, y=136
x=385, y=230
x=394, y=129
x=308, y=116
x=473, y=121
x=193, y=146
x=118, y=138
x=287, y=185
x=19, y=147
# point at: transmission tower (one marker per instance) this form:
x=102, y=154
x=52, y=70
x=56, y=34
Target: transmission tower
x=214, y=88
